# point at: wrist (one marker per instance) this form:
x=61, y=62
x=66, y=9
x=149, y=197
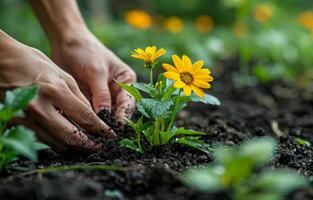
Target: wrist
x=6, y=42
x=70, y=34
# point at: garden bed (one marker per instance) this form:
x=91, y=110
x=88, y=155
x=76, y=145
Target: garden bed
x=275, y=110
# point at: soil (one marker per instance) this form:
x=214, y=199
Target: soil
x=277, y=110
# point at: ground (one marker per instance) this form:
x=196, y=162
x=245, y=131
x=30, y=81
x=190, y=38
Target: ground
x=275, y=109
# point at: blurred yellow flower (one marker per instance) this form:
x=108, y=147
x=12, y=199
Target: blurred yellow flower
x=263, y=12
x=149, y=55
x=240, y=29
x=306, y=20
x=204, y=23
x=190, y=77
x=138, y=19
x=174, y=24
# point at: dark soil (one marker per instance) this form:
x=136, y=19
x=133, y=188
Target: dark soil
x=276, y=110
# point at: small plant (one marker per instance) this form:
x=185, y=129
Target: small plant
x=17, y=140
x=169, y=95
x=233, y=172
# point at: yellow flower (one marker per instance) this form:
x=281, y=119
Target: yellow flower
x=204, y=23
x=262, y=12
x=240, y=29
x=306, y=20
x=190, y=77
x=138, y=19
x=149, y=55
x=174, y=24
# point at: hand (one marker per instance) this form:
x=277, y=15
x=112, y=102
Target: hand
x=95, y=68
x=22, y=66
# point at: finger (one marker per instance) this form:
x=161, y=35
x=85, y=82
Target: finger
x=65, y=132
x=101, y=96
x=41, y=134
x=75, y=89
x=83, y=115
x=125, y=105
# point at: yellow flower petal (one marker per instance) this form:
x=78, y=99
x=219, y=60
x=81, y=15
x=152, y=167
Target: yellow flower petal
x=140, y=51
x=187, y=90
x=153, y=49
x=178, y=63
x=199, y=92
x=168, y=67
x=201, y=84
x=198, y=65
x=159, y=53
x=139, y=56
x=179, y=84
x=202, y=72
x=187, y=62
x=172, y=75
x=206, y=78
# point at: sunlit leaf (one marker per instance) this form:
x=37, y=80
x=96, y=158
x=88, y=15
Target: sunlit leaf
x=130, y=144
x=152, y=108
x=194, y=142
x=21, y=140
x=132, y=90
x=203, y=179
x=260, y=150
x=144, y=87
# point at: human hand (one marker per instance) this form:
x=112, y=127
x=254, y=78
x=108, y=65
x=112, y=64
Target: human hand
x=21, y=66
x=95, y=68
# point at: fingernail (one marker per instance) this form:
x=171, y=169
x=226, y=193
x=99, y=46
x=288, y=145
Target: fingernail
x=104, y=108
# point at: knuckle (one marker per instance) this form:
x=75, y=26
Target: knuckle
x=73, y=137
x=49, y=89
x=96, y=69
x=61, y=85
x=87, y=118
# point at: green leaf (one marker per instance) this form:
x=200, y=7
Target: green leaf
x=281, y=180
x=203, y=179
x=19, y=98
x=208, y=99
x=168, y=93
x=144, y=87
x=40, y=146
x=196, y=143
x=166, y=137
x=148, y=133
x=152, y=108
x=130, y=144
x=183, y=131
x=303, y=142
x=22, y=141
x=131, y=90
x=259, y=150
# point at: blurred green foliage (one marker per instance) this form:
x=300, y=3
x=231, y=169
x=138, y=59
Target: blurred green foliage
x=276, y=48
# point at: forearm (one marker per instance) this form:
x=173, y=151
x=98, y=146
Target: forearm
x=7, y=43
x=59, y=18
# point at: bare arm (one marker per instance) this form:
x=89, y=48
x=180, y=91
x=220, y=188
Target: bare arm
x=78, y=52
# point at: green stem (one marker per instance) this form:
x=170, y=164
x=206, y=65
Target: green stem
x=151, y=76
x=176, y=107
x=156, y=135
x=138, y=141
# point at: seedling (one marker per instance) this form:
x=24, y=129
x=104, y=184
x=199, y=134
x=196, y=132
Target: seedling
x=17, y=140
x=165, y=98
x=234, y=172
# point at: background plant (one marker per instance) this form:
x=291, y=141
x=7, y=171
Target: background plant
x=17, y=140
x=278, y=50
x=234, y=172
x=163, y=102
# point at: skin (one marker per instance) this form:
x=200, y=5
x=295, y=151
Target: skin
x=76, y=56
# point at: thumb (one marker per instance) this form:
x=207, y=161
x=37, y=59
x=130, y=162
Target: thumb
x=101, y=96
